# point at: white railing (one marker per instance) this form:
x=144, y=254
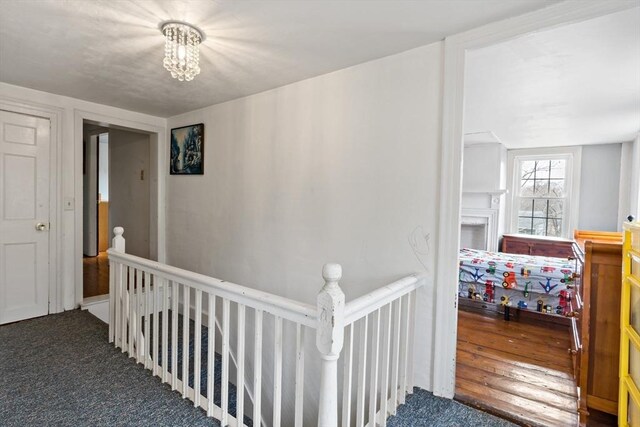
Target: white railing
x=162, y=313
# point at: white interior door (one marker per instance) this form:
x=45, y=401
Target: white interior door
x=24, y=216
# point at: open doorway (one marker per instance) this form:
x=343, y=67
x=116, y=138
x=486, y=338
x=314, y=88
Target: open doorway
x=118, y=176
x=537, y=169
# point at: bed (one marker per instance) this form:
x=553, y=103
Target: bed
x=527, y=282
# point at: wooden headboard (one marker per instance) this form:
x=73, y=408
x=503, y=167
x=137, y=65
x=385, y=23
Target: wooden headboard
x=581, y=236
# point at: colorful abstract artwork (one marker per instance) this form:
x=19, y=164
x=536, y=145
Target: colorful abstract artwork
x=187, y=150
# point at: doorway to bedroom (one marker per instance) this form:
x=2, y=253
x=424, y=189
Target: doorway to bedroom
x=536, y=169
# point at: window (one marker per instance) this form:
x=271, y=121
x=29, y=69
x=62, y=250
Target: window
x=542, y=193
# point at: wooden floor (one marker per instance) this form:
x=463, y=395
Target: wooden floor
x=516, y=370
x=95, y=275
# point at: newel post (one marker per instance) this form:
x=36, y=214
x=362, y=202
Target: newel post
x=117, y=243
x=329, y=340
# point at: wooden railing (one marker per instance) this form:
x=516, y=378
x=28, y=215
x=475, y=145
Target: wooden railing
x=182, y=326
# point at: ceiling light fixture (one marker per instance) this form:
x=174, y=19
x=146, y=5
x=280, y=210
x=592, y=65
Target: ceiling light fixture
x=182, y=49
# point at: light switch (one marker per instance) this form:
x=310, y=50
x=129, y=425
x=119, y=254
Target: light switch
x=68, y=203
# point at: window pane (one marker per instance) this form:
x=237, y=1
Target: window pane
x=555, y=209
x=540, y=208
x=526, y=188
x=554, y=227
x=539, y=226
x=524, y=225
x=527, y=169
x=558, y=169
x=541, y=188
x=526, y=207
x=542, y=169
x=556, y=187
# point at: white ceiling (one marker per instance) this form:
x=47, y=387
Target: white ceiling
x=111, y=52
x=572, y=85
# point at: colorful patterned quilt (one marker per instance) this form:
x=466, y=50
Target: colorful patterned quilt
x=523, y=281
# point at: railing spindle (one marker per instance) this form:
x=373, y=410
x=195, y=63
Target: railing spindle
x=165, y=330
x=139, y=309
x=386, y=347
x=186, y=308
x=224, y=399
x=240, y=365
x=257, y=368
x=147, y=319
x=112, y=301
x=404, y=353
x=375, y=352
x=211, y=352
x=129, y=322
x=396, y=356
x=299, y=408
x=118, y=305
x=175, y=299
x=197, y=348
x=347, y=376
x=156, y=329
x=277, y=373
x=362, y=369
x=410, y=325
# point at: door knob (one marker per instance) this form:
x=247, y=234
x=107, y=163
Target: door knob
x=41, y=226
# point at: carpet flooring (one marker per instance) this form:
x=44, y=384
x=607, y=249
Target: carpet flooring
x=60, y=370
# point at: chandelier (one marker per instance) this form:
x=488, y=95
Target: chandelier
x=182, y=49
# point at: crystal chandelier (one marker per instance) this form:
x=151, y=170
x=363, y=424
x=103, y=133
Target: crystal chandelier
x=182, y=50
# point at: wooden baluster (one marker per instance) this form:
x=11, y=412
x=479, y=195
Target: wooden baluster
x=277, y=373
x=299, y=408
x=197, y=348
x=147, y=320
x=386, y=347
x=362, y=370
x=404, y=354
x=125, y=307
x=186, y=308
x=117, y=319
x=329, y=340
x=131, y=305
x=347, y=376
x=375, y=352
x=410, y=334
x=156, y=329
x=396, y=356
x=165, y=330
x=112, y=301
x=224, y=399
x=175, y=300
x=257, y=368
x=139, y=312
x=211, y=353
x=240, y=365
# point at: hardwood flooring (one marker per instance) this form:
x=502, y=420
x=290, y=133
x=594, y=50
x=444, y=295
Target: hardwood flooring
x=95, y=275
x=516, y=370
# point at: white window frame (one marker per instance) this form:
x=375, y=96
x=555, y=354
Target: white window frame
x=573, y=157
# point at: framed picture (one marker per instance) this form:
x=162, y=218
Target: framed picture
x=186, y=155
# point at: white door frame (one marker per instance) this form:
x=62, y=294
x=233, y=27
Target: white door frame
x=54, y=115
x=158, y=142
x=455, y=47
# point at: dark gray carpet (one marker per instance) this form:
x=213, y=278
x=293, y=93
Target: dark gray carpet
x=60, y=370
x=423, y=409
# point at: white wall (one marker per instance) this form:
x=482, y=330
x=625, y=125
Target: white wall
x=103, y=166
x=338, y=168
x=68, y=293
x=129, y=179
x=599, y=187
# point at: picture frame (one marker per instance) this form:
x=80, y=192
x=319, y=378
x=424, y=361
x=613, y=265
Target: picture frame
x=186, y=150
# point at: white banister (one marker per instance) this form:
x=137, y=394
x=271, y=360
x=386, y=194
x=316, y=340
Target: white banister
x=329, y=340
x=147, y=299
